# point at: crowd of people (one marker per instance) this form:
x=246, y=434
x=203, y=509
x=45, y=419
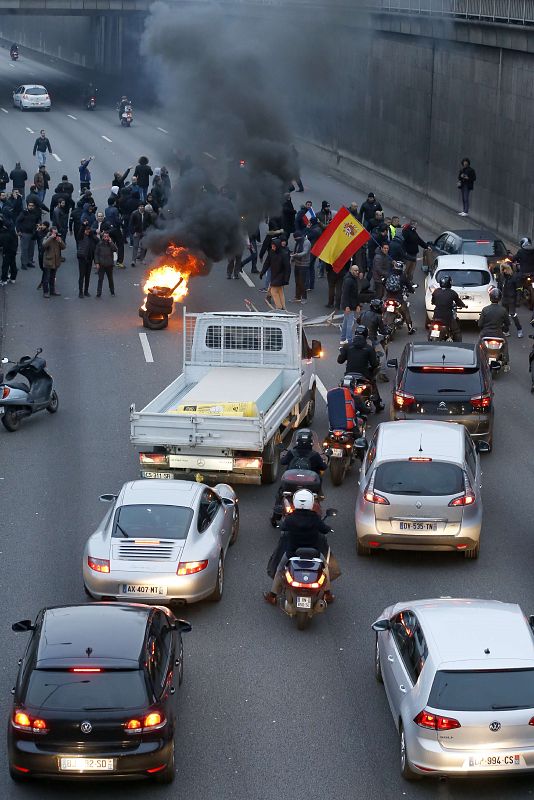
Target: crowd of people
x=30, y=224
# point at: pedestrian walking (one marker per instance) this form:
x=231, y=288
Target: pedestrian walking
x=85, y=175
x=278, y=263
x=53, y=244
x=466, y=180
x=350, y=302
x=104, y=263
x=233, y=267
x=252, y=246
x=143, y=172
x=19, y=176
x=41, y=147
x=41, y=181
x=26, y=225
x=139, y=222
x=85, y=253
x=300, y=263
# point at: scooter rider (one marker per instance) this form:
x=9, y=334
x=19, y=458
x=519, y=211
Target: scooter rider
x=395, y=285
x=494, y=321
x=304, y=452
x=361, y=357
x=372, y=320
x=303, y=528
x=444, y=300
x=14, y=50
x=525, y=258
x=122, y=105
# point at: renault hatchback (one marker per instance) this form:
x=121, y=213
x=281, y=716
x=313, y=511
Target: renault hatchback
x=419, y=489
x=471, y=278
x=459, y=679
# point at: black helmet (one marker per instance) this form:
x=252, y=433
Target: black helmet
x=376, y=305
x=445, y=282
x=361, y=330
x=304, y=439
x=398, y=266
x=495, y=295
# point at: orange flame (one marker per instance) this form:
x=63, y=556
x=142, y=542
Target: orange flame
x=175, y=267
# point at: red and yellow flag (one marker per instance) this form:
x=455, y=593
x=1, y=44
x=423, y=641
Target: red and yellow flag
x=340, y=240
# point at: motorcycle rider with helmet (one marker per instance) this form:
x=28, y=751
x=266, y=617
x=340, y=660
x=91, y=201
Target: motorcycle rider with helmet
x=14, y=50
x=494, y=321
x=395, y=285
x=303, y=528
x=122, y=105
x=360, y=357
x=372, y=320
x=303, y=451
x=444, y=300
x=525, y=259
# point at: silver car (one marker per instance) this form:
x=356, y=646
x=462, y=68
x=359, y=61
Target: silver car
x=459, y=678
x=419, y=489
x=162, y=541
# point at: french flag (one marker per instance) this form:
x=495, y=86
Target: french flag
x=309, y=216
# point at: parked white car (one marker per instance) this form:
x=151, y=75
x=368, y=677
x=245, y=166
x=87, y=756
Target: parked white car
x=471, y=279
x=30, y=96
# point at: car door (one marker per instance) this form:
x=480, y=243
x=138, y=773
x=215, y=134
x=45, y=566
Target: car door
x=438, y=248
x=405, y=655
x=473, y=464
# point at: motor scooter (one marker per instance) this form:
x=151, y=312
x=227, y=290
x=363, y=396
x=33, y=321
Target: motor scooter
x=127, y=116
x=495, y=353
x=14, y=55
x=26, y=388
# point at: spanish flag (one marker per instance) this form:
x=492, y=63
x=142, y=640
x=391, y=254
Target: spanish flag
x=340, y=240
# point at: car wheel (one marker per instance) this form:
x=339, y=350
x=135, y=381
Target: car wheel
x=361, y=549
x=181, y=663
x=53, y=405
x=235, y=527
x=406, y=771
x=378, y=668
x=219, y=585
x=271, y=461
x=167, y=775
x=473, y=552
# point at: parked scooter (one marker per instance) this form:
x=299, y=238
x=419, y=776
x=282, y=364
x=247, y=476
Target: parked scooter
x=26, y=389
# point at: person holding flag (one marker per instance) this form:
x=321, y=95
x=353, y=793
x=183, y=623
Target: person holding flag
x=342, y=238
x=305, y=216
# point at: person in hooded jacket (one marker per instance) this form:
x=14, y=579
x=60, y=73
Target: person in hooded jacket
x=4, y=178
x=8, y=245
x=396, y=247
x=361, y=357
x=277, y=261
x=88, y=213
x=368, y=210
x=412, y=243
x=143, y=173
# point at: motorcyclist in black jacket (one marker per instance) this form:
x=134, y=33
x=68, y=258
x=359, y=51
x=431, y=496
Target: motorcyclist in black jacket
x=398, y=278
x=444, y=300
x=494, y=321
x=360, y=357
x=303, y=451
x=372, y=320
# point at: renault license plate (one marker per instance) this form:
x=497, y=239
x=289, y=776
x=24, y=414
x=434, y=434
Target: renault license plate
x=416, y=525
x=137, y=588
x=304, y=602
x=86, y=764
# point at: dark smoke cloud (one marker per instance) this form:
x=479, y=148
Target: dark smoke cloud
x=213, y=80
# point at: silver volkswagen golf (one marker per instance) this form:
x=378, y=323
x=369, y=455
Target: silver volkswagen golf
x=420, y=489
x=459, y=678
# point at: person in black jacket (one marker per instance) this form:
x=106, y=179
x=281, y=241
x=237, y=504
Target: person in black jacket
x=360, y=357
x=466, y=179
x=8, y=245
x=303, y=451
x=350, y=302
x=26, y=226
x=509, y=283
x=369, y=209
x=412, y=243
x=143, y=173
x=41, y=146
x=4, y=178
x=85, y=252
x=444, y=300
x=494, y=321
x=64, y=186
x=19, y=177
x=278, y=264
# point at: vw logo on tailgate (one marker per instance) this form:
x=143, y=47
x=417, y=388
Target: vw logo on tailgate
x=495, y=726
x=86, y=727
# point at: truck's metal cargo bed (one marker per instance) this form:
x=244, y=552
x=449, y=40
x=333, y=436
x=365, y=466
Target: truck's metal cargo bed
x=258, y=388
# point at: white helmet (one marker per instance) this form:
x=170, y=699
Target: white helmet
x=303, y=499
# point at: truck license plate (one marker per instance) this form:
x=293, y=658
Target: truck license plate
x=165, y=476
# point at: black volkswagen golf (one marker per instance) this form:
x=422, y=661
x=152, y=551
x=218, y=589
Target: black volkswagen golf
x=94, y=696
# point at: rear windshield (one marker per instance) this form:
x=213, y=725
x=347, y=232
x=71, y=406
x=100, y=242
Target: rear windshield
x=36, y=90
x=483, y=247
x=465, y=277
x=419, y=478
x=488, y=690
x=72, y=691
x=152, y=522
x=442, y=383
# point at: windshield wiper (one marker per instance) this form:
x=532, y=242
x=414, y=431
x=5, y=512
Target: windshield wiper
x=101, y=708
x=462, y=391
x=505, y=708
x=124, y=534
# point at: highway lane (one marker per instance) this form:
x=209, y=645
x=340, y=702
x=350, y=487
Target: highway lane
x=265, y=710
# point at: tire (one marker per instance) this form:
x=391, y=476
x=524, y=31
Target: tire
x=310, y=413
x=217, y=593
x=168, y=774
x=155, y=322
x=11, y=421
x=378, y=668
x=275, y=519
x=181, y=660
x=473, y=553
x=235, y=528
x=159, y=304
x=337, y=471
x=53, y=405
x=406, y=771
x=303, y=620
x=271, y=461
x=361, y=549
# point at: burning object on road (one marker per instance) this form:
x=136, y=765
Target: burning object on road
x=166, y=284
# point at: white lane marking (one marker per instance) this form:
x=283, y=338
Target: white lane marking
x=4, y=110
x=321, y=387
x=56, y=157
x=72, y=116
x=162, y=130
x=107, y=139
x=30, y=130
x=149, y=358
x=209, y=155
x=12, y=65
x=246, y=278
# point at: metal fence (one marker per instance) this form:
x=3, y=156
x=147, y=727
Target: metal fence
x=517, y=12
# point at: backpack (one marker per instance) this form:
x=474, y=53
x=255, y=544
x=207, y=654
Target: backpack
x=393, y=283
x=299, y=462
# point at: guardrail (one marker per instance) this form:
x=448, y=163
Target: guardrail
x=517, y=12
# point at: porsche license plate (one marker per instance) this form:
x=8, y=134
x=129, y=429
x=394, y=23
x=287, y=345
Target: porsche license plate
x=86, y=764
x=138, y=588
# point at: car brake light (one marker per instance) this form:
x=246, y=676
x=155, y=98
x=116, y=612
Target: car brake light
x=482, y=241
x=150, y=722
x=98, y=564
x=191, y=567
x=442, y=369
x=5, y=392
x=481, y=402
x=419, y=459
x=435, y=722
x=495, y=344
x=153, y=458
x=531, y=721
x=403, y=399
x=467, y=498
x=23, y=722
x=298, y=585
x=377, y=499
x=85, y=669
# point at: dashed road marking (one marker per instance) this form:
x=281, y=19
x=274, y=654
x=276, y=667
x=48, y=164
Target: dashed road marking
x=209, y=155
x=72, y=116
x=54, y=155
x=30, y=130
x=4, y=110
x=147, y=352
x=162, y=130
x=107, y=138
x=246, y=278
x=321, y=387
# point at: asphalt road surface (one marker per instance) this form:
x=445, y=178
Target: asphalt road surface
x=265, y=711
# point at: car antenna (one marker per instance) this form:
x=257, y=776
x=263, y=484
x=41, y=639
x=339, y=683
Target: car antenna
x=487, y=651
x=463, y=255
x=443, y=359
x=421, y=443
x=89, y=651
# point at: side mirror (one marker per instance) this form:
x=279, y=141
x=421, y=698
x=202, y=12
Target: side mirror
x=182, y=625
x=381, y=625
x=393, y=363
x=107, y=498
x=22, y=626
x=483, y=447
x=228, y=501
x=39, y=350
x=316, y=349
x=361, y=443
x=330, y=512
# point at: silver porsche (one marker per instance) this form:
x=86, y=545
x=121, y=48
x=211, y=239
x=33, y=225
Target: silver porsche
x=162, y=541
